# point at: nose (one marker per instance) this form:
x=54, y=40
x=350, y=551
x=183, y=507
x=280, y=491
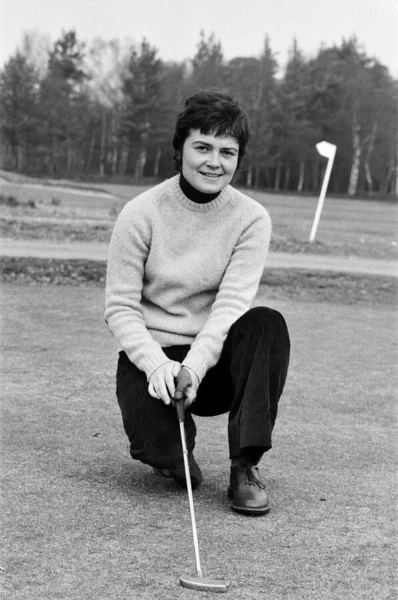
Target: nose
x=213, y=159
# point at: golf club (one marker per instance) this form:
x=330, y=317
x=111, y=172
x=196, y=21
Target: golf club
x=199, y=582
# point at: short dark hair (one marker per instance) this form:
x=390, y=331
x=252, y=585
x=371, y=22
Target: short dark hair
x=211, y=111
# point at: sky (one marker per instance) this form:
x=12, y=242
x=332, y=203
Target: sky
x=173, y=26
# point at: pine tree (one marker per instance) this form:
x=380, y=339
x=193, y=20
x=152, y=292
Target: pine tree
x=63, y=105
x=142, y=99
x=208, y=68
x=18, y=112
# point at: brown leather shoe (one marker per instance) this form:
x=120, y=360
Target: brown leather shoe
x=247, y=491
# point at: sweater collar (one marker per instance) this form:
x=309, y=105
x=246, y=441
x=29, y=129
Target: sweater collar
x=194, y=194
x=219, y=202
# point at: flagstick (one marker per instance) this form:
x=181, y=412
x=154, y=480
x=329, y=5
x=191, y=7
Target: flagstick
x=330, y=153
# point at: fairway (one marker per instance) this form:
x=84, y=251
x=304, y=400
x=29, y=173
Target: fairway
x=71, y=211
x=83, y=521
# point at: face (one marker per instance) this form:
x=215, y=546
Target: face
x=208, y=161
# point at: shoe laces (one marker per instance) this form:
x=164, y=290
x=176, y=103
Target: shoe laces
x=252, y=479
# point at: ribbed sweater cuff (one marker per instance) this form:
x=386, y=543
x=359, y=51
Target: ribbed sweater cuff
x=195, y=361
x=152, y=361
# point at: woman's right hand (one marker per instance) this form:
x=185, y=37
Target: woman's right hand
x=162, y=381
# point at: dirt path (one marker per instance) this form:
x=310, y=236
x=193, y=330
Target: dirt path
x=276, y=260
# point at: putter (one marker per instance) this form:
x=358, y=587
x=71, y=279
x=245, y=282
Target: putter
x=199, y=582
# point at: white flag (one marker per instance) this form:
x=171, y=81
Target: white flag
x=326, y=149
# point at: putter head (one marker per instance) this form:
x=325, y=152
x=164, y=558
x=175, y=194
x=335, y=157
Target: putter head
x=201, y=583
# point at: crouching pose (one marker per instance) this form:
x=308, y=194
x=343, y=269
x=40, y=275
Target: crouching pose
x=185, y=261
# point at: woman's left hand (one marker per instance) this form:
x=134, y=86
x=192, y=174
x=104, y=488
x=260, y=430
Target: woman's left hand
x=187, y=384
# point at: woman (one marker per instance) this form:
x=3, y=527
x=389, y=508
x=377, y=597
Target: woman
x=185, y=261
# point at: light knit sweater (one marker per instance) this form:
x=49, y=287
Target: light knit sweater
x=182, y=273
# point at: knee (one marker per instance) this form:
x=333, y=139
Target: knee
x=262, y=321
x=263, y=316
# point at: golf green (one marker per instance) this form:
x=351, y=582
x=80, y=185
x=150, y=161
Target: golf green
x=81, y=520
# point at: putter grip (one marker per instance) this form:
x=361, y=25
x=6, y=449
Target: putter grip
x=184, y=381
x=180, y=407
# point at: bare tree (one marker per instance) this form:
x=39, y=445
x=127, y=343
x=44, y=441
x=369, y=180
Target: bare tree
x=106, y=64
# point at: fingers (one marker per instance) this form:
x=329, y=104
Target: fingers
x=163, y=392
x=152, y=392
x=176, y=369
x=162, y=384
x=169, y=379
x=190, y=396
x=187, y=387
x=184, y=382
x=172, y=382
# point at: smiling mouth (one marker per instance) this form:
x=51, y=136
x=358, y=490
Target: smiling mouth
x=211, y=175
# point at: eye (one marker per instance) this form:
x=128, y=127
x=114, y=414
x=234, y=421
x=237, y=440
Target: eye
x=228, y=153
x=202, y=148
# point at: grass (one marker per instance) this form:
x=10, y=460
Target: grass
x=347, y=227
x=83, y=521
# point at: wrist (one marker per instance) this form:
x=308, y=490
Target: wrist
x=192, y=371
x=158, y=367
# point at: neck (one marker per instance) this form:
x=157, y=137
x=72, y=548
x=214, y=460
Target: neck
x=194, y=194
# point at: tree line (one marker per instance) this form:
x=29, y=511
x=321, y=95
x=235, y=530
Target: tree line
x=108, y=110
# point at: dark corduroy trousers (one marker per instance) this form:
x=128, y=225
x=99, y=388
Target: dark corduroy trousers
x=247, y=382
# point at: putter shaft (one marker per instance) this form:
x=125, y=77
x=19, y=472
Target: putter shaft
x=198, y=582
x=190, y=498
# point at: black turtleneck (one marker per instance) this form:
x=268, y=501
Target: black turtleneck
x=194, y=194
